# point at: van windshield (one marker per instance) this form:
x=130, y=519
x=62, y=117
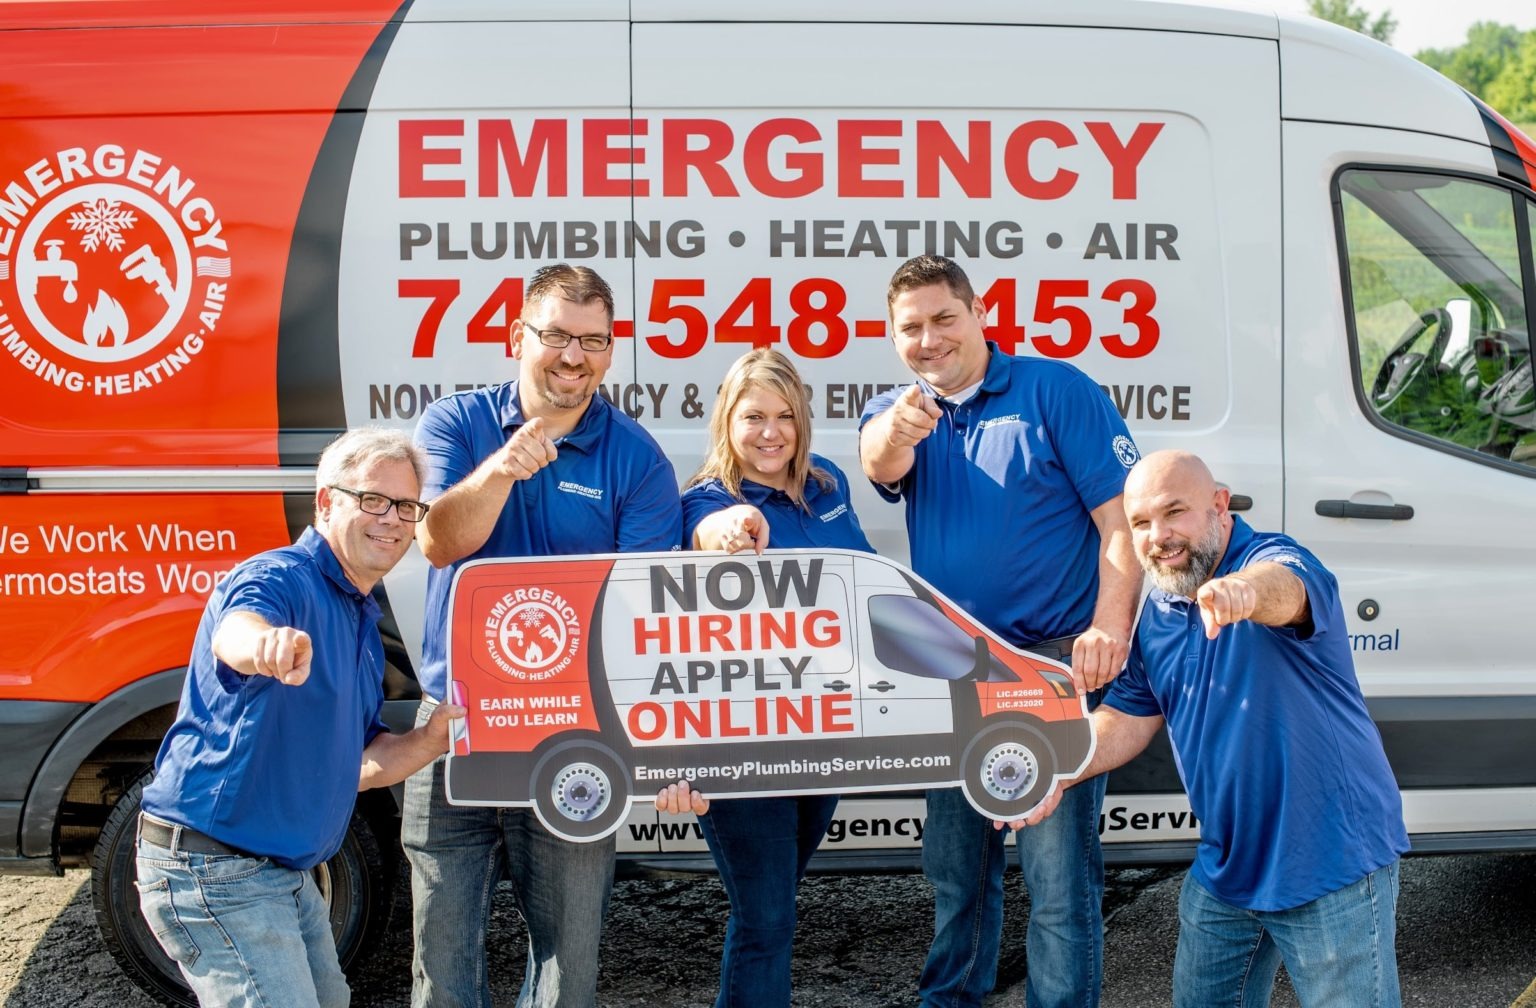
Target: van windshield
x=915, y=637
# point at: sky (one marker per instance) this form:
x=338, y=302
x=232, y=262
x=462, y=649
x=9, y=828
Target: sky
x=1437, y=24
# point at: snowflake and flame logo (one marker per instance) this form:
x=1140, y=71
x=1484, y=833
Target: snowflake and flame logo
x=103, y=222
x=533, y=639
x=104, y=271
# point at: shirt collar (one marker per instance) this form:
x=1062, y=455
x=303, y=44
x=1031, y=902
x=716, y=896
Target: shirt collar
x=589, y=429
x=314, y=544
x=757, y=494
x=1237, y=543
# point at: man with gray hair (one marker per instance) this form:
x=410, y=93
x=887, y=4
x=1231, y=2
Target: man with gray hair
x=278, y=729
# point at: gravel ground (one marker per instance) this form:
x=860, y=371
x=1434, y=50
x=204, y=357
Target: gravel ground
x=1466, y=938
x=863, y=941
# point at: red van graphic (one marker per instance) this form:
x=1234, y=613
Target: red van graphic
x=593, y=682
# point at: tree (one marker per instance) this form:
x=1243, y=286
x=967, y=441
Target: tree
x=1513, y=91
x=1350, y=15
x=1477, y=62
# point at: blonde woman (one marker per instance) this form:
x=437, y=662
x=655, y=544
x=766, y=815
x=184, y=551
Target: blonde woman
x=761, y=482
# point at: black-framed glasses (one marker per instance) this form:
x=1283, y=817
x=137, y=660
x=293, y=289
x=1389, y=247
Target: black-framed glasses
x=378, y=504
x=560, y=340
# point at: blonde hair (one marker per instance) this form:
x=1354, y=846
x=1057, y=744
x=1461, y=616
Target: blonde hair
x=772, y=371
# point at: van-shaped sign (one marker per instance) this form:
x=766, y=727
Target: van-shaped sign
x=592, y=682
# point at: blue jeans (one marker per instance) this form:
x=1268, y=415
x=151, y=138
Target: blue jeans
x=244, y=931
x=1339, y=949
x=761, y=847
x=963, y=857
x=457, y=854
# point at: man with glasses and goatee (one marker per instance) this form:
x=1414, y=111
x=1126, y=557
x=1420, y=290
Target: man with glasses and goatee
x=279, y=728
x=540, y=466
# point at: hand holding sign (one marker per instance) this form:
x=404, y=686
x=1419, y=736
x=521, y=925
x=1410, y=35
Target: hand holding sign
x=679, y=798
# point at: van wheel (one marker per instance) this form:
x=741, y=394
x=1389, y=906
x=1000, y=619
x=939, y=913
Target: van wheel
x=581, y=790
x=357, y=883
x=1007, y=769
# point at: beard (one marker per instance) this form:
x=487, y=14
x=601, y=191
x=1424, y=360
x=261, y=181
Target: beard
x=563, y=400
x=1201, y=560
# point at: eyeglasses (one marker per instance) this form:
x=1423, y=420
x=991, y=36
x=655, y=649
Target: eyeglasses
x=378, y=504
x=561, y=340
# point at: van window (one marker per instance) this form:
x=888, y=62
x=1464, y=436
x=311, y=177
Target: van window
x=913, y=636
x=1440, y=340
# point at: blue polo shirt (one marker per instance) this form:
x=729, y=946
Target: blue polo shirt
x=611, y=490
x=829, y=522
x=263, y=767
x=1283, y=765
x=1004, y=487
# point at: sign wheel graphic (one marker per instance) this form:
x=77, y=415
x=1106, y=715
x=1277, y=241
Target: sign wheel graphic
x=581, y=790
x=1007, y=769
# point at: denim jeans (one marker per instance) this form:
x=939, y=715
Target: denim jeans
x=963, y=857
x=245, y=932
x=457, y=854
x=1339, y=949
x=761, y=847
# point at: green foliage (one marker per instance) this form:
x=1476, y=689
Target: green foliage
x=1513, y=91
x=1498, y=64
x=1350, y=15
x=1477, y=62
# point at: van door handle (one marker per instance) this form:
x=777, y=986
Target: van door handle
x=1240, y=502
x=837, y=684
x=1349, y=509
x=882, y=686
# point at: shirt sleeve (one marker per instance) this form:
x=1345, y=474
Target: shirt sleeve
x=259, y=588
x=1091, y=439
x=651, y=517
x=873, y=408
x=699, y=502
x=1321, y=586
x=1131, y=692
x=443, y=435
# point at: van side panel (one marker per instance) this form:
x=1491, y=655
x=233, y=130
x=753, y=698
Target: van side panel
x=150, y=179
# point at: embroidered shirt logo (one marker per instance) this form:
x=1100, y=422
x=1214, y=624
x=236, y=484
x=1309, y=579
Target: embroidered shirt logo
x=566, y=486
x=1011, y=418
x=1125, y=450
x=835, y=513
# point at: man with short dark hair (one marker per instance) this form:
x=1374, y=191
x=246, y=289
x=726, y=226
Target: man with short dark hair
x=540, y=466
x=1011, y=469
x=1242, y=650
x=279, y=728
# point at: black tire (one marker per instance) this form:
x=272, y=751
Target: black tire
x=1007, y=768
x=581, y=790
x=358, y=882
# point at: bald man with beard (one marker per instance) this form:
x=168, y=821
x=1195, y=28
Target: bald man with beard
x=1242, y=651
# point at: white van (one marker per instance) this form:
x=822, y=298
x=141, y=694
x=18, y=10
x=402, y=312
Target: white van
x=227, y=234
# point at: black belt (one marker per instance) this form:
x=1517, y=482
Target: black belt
x=181, y=838
x=1057, y=648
